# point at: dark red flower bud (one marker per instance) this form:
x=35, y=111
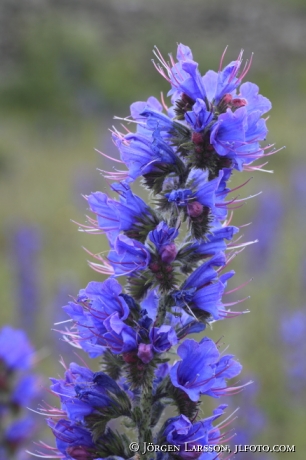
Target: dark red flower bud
x=227, y=99
x=130, y=357
x=197, y=138
x=154, y=267
x=238, y=102
x=168, y=269
x=198, y=149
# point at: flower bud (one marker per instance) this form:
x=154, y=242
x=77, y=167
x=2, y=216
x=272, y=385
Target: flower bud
x=227, y=99
x=238, y=102
x=197, y=138
x=194, y=209
x=154, y=267
x=145, y=352
x=129, y=357
x=168, y=253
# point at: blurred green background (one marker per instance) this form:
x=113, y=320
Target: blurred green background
x=68, y=66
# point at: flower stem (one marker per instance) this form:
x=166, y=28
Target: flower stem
x=144, y=429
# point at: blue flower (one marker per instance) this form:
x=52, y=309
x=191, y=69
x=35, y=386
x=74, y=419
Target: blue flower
x=185, y=76
x=106, y=299
x=97, y=302
x=162, y=371
x=90, y=331
x=250, y=151
x=93, y=397
x=214, y=242
x=128, y=256
x=196, y=379
x=15, y=349
x=143, y=154
x=137, y=108
x=84, y=393
x=163, y=237
x=208, y=372
x=203, y=290
x=120, y=337
x=72, y=439
x=199, y=117
x=182, y=322
x=115, y=216
x=131, y=208
x=179, y=196
x=226, y=368
x=249, y=91
x=19, y=431
x=75, y=376
x=18, y=389
x=223, y=83
x=228, y=133
x=207, y=192
x=181, y=432
x=201, y=196
x=150, y=303
x=26, y=389
x=158, y=121
x=105, y=209
x=183, y=296
x=163, y=338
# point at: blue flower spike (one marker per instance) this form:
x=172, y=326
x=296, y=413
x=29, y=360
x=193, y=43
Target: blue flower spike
x=172, y=251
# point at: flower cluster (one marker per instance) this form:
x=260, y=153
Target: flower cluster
x=18, y=388
x=174, y=255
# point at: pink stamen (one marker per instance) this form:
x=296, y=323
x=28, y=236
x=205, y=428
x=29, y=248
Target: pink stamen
x=104, y=269
x=230, y=304
x=110, y=158
x=172, y=60
x=227, y=222
x=236, y=207
x=247, y=68
x=222, y=58
x=163, y=101
x=238, y=287
x=239, y=186
x=242, y=245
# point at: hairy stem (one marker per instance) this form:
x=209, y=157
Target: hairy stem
x=144, y=429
